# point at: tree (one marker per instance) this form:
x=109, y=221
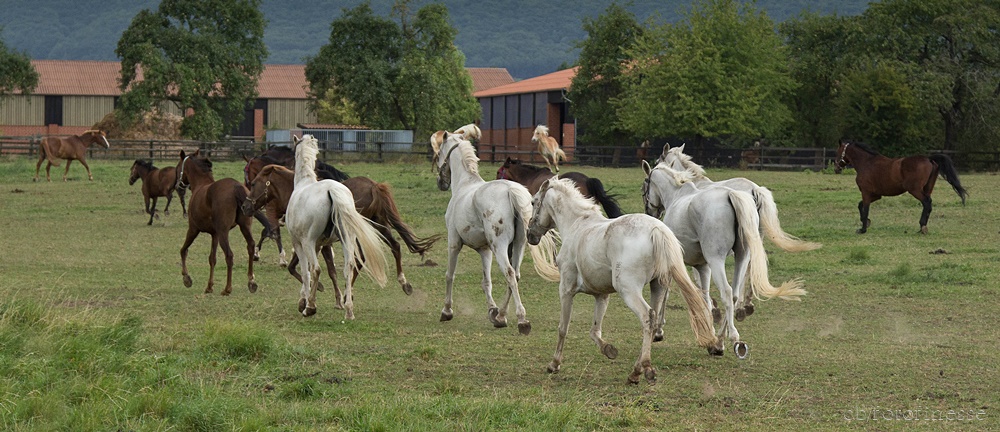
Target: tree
x=604, y=55
x=16, y=72
x=721, y=72
x=408, y=75
x=205, y=56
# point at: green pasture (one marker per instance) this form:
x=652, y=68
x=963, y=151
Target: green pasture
x=97, y=331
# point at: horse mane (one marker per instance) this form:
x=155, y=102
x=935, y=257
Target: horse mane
x=204, y=163
x=574, y=197
x=469, y=159
x=145, y=164
x=864, y=147
x=328, y=171
x=305, y=158
x=686, y=161
x=542, y=129
x=679, y=177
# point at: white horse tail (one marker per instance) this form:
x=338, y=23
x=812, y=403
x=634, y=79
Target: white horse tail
x=362, y=243
x=669, y=263
x=768, y=212
x=747, y=221
x=544, y=256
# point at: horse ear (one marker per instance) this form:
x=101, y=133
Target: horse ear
x=182, y=154
x=682, y=147
x=646, y=168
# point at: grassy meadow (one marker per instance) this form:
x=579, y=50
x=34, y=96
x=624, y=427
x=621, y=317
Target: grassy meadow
x=97, y=331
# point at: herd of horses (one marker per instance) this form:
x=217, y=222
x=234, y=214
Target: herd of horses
x=689, y=220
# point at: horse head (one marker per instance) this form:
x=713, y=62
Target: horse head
x=841, y=161
x=503, y=173
x=651, y=201
x=259, y=188
x=541, y=132
x=139, y=168
x=95, y=136
x=541, y=215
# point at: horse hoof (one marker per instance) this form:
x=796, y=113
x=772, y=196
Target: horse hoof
x=302, y=305
x=717, y=352
x=149, y=223
x=319, y=287
x=551, y=368
x=658, y=337
x=923, y=229
x=283, y=264
x=650, y=376
x=187, y=281
x=610, y=351
x=740, y=314
x=493, y=312
x=524, y=328
x=861, y=231
x=741, y=349
x=224, y=292
x=407, y=288
x=252, y=286
x=446, y=316
x=749, y=309
x=633, y=378
x=310, y=311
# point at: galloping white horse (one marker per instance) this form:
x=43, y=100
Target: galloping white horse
x=548, y=147
x=710, y=223
x=320, y=213
x=490, y=217
x=601, y=256
x=766, y=209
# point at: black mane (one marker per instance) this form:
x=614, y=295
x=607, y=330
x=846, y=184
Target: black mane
x=864, y=147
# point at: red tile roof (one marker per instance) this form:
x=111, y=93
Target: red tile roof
x=487, y=78
x=559, y=80
x=100, y=78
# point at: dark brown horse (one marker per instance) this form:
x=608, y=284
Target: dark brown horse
x=879, y=176
x=72, y=148
x=532, y=177
x=215, y=209
x=156, y=182
x=274, y=184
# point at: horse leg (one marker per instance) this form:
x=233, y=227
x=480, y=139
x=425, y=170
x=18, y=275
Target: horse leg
x=863, y=207
x=191, y=235
x=277, y=239
x=38, y=166
x=84, y=162
x=166, y=209
x=658, y=295
x=307, y=294
x=331, y=269
x=728, y=329
x=152, y=212
x=66, y=173
x=180, y=196
x=349, y=274
x=264, y=233
x=211, y=265
x=926, y=214
x=248, y=236
x=454, y=247
x=741, y=292
x=600, y=308
x=48, y=166
x=705, y=282
x=523, y=325
x=632, y=295
x=398, y=256
x=497, y=317
x=566, y=293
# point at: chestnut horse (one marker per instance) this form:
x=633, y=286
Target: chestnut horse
x=215, y=209
x=532, y=177
x=548, y=147
x=274, y=185
x=157, y=182
x=71, y=148
x=879, y=176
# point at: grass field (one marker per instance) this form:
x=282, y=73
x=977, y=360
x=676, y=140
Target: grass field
x=97, y=331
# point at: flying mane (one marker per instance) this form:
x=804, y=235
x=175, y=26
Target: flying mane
x=580, y=205
x=689, y=165
x=469, y=159
x=305, y=159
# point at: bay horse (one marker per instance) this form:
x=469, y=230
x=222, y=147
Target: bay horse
x=601, y=256
x=532, y=177
x=375, y=201
x=489, y=217
x=214, y=209
x=70, y=148
x=767, y=210
x=319, y=213
x=548, y=147
x=710, y=223
x=156, y=182
x=879, y=176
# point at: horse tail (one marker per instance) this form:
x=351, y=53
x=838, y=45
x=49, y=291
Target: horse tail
x=354, y=229
x=947, y=170
x=382, y=200
x=607, y=201
x=668, y=258
x=771, y=226
x=747, y=223
x=559, y=153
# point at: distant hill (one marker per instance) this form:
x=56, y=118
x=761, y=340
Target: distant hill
x=527, y=37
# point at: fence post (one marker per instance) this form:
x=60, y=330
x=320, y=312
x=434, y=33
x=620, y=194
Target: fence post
x=378, y=146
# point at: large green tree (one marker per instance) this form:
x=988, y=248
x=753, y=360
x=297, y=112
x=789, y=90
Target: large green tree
x=721, y=72
x=604, y=55
x=205, y=56
x=16, y=72
x=395, y=75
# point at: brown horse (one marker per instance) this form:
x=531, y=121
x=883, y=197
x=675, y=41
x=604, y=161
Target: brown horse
x=879, y=176
x=72, y=148
x=548, y=147
x=532, y=177
x=215, y=209
x=274, y=184
x=156, y=182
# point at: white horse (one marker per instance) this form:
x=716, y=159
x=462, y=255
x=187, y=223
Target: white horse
x=320, y=213
x=601, y=256
x=548, y=147
x=766, y=209
x=490, y=217
x=710, y=224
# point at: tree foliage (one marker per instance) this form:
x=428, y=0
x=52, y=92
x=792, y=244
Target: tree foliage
x=16, y=72
x=405, y=75
x=604, y=55
x=202, y=55
x=721, y=72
